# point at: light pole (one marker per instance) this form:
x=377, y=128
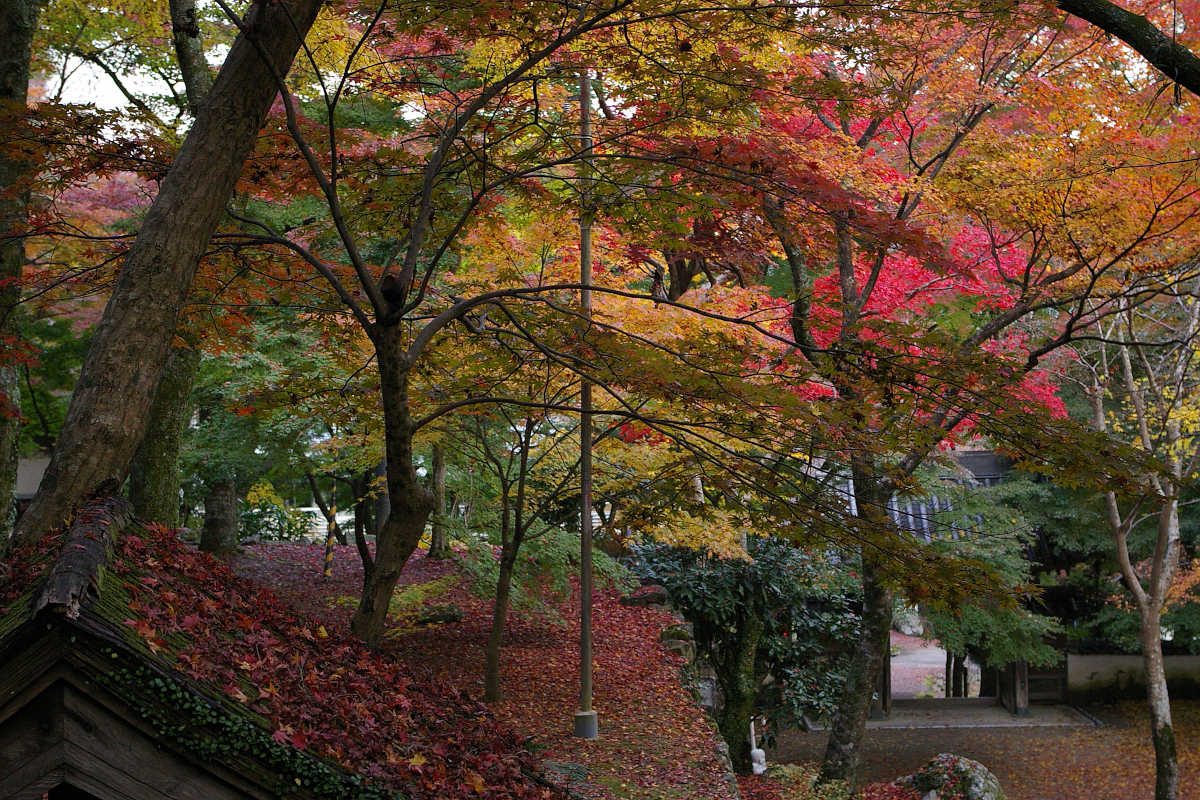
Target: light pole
x=586, y=723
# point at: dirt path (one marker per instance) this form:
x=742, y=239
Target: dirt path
x=1112, y=762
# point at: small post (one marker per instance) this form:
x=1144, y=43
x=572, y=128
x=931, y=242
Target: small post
x=327, y=570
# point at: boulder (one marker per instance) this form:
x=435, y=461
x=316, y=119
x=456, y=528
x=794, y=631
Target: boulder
x=652, y=595
x=438, y=615
x=907, y=620
x=680, y=631
x=948, y=775
x=678, y=639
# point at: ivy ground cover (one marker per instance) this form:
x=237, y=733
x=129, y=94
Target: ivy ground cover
x=655, y=742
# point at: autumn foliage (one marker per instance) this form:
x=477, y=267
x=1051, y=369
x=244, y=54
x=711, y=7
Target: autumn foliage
x=321, y=690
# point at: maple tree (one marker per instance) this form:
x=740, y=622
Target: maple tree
x=1144, y=363
x=524, y=455
x=924, y=283
x=396, y=298
x=915, y=300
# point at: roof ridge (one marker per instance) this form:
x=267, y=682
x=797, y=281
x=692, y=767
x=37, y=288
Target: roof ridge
x=75, y=574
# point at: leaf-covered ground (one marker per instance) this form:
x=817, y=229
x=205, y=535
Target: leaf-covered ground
x=1110, y=762
x=318, y=689
x=655, y=743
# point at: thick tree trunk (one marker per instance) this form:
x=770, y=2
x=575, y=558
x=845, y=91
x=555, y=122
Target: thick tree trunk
x=107, y=416
x=18, y=21
x=842, y=757
x=491, y=670
x=989, y=682
x=154, y=477
x=411, y=502
x=1162, y=732
x=439, y=544
x=739, y=687
x=219, y=535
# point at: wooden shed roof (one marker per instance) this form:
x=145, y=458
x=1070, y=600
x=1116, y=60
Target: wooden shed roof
x=84, y=702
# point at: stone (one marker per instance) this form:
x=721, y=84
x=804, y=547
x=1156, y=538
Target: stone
x=680, y=631
x=730, y=776
x=948, y=775
x=652, y=595
x=441, y=614
x=907, y=620
x=686, y=649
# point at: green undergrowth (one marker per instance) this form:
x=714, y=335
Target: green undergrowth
x=408, y=602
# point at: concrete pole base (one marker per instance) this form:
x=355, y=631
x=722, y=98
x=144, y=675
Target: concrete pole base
x=586, y=725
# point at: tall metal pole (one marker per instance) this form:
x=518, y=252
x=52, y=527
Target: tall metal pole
x=586, y=724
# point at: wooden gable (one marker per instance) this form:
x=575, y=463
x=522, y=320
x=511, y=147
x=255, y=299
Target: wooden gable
x=86, y=713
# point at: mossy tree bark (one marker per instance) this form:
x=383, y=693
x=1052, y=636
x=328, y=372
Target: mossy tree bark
x=1162, y=732
x=154, y=475
x=219, y=535
x=439, y=543
x=842, y=752
x=154, y=478
x=189, y=52
x=107, y=415
x=739, y=686
x=18, y=21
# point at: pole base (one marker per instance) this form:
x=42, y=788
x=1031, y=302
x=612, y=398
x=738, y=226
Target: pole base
x=586, y=725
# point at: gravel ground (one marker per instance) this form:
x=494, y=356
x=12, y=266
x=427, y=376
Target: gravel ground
x=1111, y=762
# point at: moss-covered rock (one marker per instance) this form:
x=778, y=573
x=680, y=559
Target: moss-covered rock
x=951, y=775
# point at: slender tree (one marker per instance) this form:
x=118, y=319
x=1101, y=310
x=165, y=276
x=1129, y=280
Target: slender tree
x=1145, y=366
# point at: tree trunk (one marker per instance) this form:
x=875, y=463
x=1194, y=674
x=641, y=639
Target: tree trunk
x=189, y=52
x=491, y=671
x=739, y=686
x=439, y=545
x=18, y=21
x=154, y=478
x=842, y=758
x=1162, y=733
x=107, y=416
x=219, y=535
x=382, y=506
x=328, y=512
x=154, y=475
x=411, y=502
